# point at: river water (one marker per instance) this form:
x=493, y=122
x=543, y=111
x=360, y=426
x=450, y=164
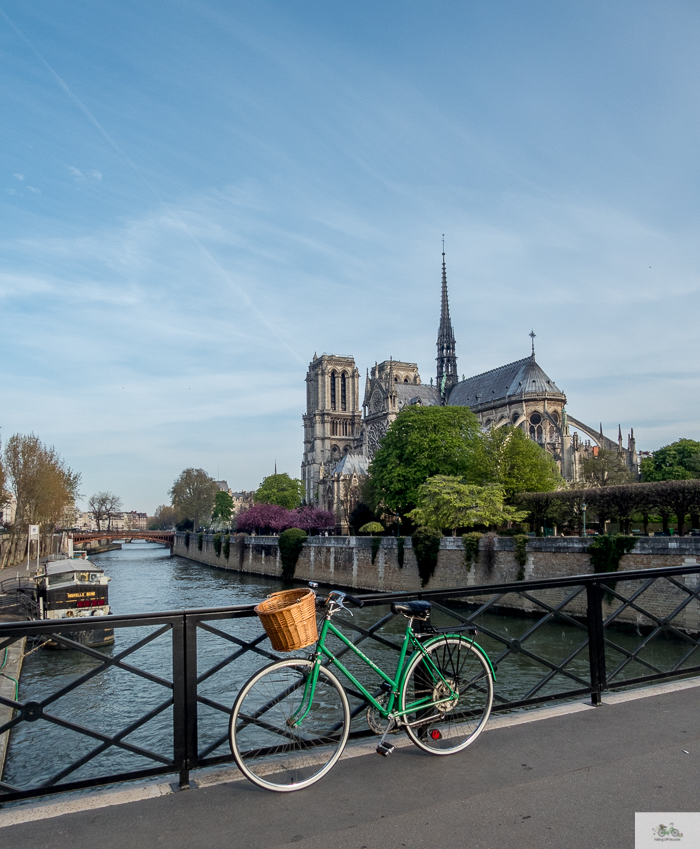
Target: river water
x=145, y=578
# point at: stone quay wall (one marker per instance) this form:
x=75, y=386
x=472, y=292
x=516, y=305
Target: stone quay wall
x=347, y=562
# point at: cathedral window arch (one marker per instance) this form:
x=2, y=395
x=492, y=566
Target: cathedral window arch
x=405, y=380
x=343, y=392
x=333, y=390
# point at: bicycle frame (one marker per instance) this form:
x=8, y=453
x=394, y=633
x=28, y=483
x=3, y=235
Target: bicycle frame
x=387, y=712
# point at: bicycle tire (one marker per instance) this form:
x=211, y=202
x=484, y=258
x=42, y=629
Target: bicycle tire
x=268, y=751
x=450, y=726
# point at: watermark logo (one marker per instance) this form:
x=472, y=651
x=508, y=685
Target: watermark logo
x=667, y=833
x=652, y=828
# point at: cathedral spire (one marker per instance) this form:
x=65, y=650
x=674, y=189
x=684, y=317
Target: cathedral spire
x=447, y=376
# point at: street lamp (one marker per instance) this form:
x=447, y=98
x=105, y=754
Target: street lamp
x=583, y=508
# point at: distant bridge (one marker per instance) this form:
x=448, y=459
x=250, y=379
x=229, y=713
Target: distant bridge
x=163, y=537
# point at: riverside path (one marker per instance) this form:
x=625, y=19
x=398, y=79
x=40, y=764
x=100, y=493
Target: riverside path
x=571, y=776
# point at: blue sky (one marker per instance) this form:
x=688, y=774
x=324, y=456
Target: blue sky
x=196, y=197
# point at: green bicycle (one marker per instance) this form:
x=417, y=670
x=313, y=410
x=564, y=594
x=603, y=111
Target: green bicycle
x=291, y=720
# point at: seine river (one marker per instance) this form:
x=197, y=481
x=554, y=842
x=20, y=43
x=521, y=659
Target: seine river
x=145, y=578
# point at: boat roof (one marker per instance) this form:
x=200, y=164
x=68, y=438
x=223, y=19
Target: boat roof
x=59, y=567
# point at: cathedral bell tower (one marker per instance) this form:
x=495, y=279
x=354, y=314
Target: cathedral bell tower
x=446, y=355
x=333, y=422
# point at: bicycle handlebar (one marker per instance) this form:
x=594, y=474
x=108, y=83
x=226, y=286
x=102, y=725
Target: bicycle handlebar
x=355, y=600
x=321, y=601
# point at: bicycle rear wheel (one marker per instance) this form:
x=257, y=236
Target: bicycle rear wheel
x=454, y=721
x=268, y=749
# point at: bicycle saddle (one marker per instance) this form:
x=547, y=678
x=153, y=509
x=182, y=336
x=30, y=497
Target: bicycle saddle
x=412, y=609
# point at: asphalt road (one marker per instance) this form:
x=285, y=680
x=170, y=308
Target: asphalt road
x=569, y=781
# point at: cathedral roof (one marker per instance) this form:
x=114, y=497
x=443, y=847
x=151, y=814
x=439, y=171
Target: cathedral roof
x=523, y=377
x=410, y=393
x=356, y=464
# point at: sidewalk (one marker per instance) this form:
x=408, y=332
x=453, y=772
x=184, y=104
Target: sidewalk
x=571, y=779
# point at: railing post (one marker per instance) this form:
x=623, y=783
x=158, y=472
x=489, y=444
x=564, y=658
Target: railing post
x=180, y=753
x=596, y=640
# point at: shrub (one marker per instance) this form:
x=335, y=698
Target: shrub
x=217, y=544
x=521, y=541
x=227, y=545
x=606, y=553
x=426, y=547
x=200, y=540
x=376, y=543
x=187, y=539
x=291, y=543
x=400, y=551
x=471, y=548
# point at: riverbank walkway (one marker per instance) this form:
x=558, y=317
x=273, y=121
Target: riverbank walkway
x=568, y=777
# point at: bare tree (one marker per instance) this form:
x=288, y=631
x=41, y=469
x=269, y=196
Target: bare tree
x=112, y=506
x=96, y=508
x=606, y=469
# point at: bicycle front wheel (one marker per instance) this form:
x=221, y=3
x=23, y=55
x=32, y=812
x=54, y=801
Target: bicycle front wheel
x=268, y=747
x=452, y=694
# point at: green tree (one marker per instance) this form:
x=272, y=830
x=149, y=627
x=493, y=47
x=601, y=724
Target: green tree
x=675, y=462
x=606, y=469
x=281, y=490
x=420, y=443
x=223, y=508
x=448, y=502
x=518, y=463
x=193, y=495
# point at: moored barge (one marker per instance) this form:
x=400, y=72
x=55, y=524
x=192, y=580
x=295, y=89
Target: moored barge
x=73, y=589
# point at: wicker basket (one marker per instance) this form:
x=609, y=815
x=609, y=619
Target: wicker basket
x=289, y=619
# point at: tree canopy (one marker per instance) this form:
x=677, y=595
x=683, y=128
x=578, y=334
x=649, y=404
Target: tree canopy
x=426, y=441
x=193, y=495
x=517, y=463
x=164, y=518
x=448, y=502
x=281, y=490
x=43, y=486
x=422, y=442
x=678, y=461
x=223, y=507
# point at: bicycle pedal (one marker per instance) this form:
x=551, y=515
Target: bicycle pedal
x=385, y=749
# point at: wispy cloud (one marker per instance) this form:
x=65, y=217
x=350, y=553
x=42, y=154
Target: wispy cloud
x=18, y=176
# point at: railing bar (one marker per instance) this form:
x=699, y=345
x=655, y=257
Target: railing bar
x=117, y=739
x=106, y=663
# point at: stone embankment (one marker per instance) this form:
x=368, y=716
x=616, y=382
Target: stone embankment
x=347, y=562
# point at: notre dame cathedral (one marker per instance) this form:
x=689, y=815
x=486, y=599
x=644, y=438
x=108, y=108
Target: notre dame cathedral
x=340, y=440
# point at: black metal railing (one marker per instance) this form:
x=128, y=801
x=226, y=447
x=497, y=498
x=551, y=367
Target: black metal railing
x=158, y=701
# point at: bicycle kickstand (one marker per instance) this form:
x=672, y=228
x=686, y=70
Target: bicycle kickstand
x=385, y=749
